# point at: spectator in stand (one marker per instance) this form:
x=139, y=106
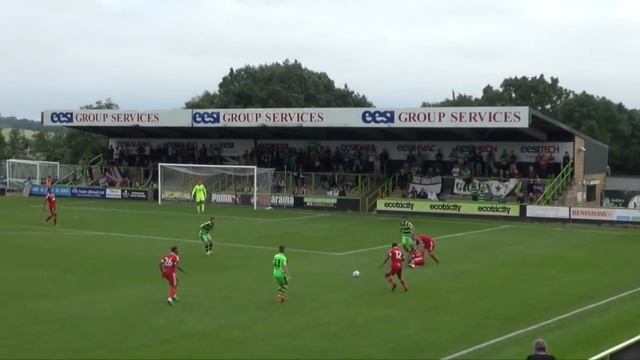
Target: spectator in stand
x=513, y=165
x=519, y=193
x=384, y=161
x=471, y=161
x=421, y=161
x=490, y=168
x=413, y=193
x=110, y=153
x=342, y=191
x=456, y=170
x=432, y=196
x=453, y=157
x=439, y=160
x=538, y=188
x=504, y=163
x=411, y=158
x=467, y=177
x=480, y=166
x=540, y=351
x=422, y=194
x=542, y=165
x=372, y=160
x=551, y=160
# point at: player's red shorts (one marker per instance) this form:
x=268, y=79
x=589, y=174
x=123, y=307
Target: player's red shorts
x=395, y=270
x=171, y=278
x=418, y=261
x=52, y=209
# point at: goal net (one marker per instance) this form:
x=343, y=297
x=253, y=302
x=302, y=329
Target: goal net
x=19, y=171
x=225, y=184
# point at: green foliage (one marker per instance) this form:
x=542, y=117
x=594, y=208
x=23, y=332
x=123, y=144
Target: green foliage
x=595, y=116
x=108, y=104
x=17, y=145
x=3, y=145
x=286, y=84
x=206, y=100
x=66, y=146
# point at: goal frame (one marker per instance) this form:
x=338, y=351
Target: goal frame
x=254, y=168
x=37, y=163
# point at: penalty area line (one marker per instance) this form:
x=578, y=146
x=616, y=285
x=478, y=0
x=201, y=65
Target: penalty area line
x=437, y=238
x=541, y=324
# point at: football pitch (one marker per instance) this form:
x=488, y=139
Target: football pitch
x=91, y=288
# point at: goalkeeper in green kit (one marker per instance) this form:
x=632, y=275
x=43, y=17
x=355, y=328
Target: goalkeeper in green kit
x=205, y=235
x=200, y=194
x=281, y=273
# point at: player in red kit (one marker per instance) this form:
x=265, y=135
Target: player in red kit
x=428, y=244
x=396, y=256
x=417, y=258
x=168, y=265
x=51, y=200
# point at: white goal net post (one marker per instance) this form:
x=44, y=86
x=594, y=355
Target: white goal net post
x=19, y=171
x=225, y=184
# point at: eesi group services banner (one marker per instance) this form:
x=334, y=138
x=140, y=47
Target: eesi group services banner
x=101, y=118
x=434, y=117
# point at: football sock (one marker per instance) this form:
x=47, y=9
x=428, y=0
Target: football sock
x=282, y=289
x=404, y=285
x=172, y=292
x=390, y=280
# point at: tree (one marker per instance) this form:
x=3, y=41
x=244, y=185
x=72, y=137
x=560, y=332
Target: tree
x=41, y=145
x=79, y=145
x=17, y=145
x=535, y=92
x=456, y=100
x=3, y=145
x=286, y=84
x=206, y=100
x=595, y=116
x=108, y=104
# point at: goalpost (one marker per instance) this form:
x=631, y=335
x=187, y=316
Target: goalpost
x=225, y=184
x=18, y=171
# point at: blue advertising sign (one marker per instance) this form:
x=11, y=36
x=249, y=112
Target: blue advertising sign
x=41, y=190
x=88, y=192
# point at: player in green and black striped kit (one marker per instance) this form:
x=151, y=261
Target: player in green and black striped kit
x=205, y=235
x=281, y=272
x=408, y=232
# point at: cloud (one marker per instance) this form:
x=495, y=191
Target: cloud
x=158, y=54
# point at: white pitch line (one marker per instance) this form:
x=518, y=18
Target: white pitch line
x=544, y=323
x=189, y=214
x=437, y=238
x=104, y=233
x=300, y=217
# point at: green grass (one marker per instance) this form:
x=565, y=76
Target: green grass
x=90, y=287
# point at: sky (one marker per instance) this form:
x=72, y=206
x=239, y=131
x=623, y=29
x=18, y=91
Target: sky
x=157, y=54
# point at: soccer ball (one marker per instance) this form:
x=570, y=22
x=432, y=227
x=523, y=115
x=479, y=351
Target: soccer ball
x=356, y=274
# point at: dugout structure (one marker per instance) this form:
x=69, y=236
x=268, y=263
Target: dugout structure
x=399, y=131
